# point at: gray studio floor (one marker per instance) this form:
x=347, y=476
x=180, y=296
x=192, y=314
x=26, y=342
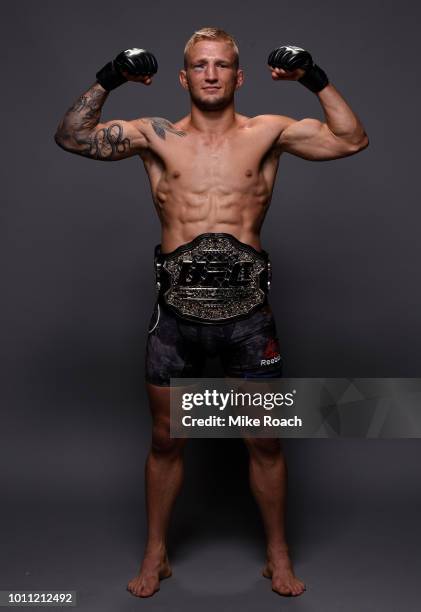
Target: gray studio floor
x=357, y=560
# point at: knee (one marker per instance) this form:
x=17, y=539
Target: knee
x=163, y=444
x=264, y=449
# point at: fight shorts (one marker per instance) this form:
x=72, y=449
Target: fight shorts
x=212, y=301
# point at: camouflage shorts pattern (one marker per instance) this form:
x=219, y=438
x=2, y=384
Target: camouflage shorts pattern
x=248, y=348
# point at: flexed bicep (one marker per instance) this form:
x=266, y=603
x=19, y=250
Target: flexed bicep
x=81, y=132
x=111, y=141
x=313, y=140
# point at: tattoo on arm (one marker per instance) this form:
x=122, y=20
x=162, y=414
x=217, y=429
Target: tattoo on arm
x=77, y=132
x=161, y=126
x=77, y=129
x=85, y=113
x=107, y=143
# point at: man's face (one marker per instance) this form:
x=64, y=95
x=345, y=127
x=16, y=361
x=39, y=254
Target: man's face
x=211, y=76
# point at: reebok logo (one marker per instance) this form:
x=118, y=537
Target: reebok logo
x=271, y=354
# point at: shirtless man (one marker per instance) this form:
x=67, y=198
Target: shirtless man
x=211, y=175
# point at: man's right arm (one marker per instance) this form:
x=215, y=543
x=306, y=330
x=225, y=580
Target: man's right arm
x=81, y=132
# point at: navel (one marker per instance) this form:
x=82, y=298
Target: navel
x=249, y=173
x=175, y=174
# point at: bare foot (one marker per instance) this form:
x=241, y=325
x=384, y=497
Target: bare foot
x=279, y=568
x=155, y=567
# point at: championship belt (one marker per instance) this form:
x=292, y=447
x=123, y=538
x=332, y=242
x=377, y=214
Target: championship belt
x=215, y=278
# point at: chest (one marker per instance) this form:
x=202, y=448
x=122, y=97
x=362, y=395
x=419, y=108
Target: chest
x=240, y=153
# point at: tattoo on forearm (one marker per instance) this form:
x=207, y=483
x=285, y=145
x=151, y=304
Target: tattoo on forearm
x=106, y=143
x=161, y=126
x=85, y=112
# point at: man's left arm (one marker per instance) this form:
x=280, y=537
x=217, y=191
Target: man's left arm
x=341, y=134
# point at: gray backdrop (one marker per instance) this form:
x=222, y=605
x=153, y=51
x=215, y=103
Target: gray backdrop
x=77, y=244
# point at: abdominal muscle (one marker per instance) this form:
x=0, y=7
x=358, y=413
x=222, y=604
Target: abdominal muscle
x=236, y=215
x=187, y=210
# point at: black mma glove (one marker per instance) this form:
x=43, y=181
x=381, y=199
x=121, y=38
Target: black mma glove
x=290, y=58
x=136, y=62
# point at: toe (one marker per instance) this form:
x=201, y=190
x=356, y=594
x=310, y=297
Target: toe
x=283, y=589
x=298, y=588
x=144, y=592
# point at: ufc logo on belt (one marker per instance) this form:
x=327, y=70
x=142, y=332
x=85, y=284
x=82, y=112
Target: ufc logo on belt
x=215, y=274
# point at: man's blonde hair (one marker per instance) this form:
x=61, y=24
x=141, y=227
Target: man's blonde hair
x=211, y=34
